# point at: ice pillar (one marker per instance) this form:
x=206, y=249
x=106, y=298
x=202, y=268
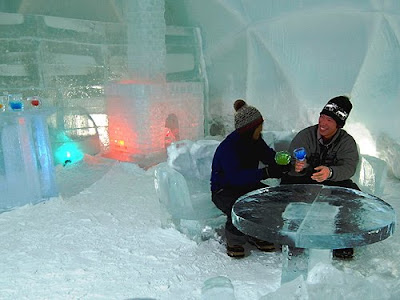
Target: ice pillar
x=146, y=39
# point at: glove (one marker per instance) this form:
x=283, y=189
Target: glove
x=276, y=171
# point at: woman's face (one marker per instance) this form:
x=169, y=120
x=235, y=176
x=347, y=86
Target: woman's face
x=257, y=132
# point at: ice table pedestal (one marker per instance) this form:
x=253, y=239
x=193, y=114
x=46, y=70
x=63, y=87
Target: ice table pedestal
x=27, y=173
x=311, y=220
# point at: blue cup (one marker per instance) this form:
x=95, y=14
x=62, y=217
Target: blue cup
x=15, y=102
x=300, y=153
x=16, y=105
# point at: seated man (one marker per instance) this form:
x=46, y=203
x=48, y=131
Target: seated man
x=235, y=172
x=331, y=153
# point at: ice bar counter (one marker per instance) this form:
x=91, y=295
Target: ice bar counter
x=311, y=220
x=27, y=174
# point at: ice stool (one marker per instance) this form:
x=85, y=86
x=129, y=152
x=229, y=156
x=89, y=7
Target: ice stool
x=183, y=188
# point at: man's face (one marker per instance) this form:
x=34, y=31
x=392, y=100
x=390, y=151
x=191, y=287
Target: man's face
x=327, y=126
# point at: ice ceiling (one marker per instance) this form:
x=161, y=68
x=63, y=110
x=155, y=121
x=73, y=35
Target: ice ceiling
x=289, y=57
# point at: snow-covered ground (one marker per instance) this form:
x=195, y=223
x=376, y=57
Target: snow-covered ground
x=102, y=239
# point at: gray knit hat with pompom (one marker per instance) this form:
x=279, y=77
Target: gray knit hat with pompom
x=246, y=117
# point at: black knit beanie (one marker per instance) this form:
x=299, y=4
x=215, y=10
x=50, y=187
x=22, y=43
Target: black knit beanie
x=246, y=117
x=338, y=108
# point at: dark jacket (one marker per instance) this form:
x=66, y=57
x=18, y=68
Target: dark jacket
x=340, y=154
x=236, y=162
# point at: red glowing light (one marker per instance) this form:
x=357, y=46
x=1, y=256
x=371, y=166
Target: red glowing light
x=35, y=102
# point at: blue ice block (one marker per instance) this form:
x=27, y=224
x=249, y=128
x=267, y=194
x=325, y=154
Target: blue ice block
x=26, y=163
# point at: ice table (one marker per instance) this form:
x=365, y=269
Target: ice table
x=27, y=174
x=311, y=220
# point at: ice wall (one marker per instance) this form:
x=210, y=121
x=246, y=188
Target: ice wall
x=289, y=57
x=68, y=62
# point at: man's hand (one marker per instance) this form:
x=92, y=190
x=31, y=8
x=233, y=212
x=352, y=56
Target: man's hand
x=322, y=173
x=300, y=165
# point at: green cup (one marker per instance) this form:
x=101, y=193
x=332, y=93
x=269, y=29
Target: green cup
x=282, y=158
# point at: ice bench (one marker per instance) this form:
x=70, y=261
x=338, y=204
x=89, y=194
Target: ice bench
x=183, y=183
x=183, y=187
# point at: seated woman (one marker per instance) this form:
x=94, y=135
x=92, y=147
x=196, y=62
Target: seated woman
x=235, y=172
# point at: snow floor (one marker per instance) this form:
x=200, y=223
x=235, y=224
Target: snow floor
x=102, y=239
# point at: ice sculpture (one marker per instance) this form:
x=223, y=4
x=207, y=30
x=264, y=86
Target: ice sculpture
x=183, y=188
x=26, y=164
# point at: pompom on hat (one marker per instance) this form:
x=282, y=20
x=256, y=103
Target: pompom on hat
x=246, y=117
x=338, y=108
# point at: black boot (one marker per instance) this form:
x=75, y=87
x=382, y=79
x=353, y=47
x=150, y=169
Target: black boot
x=262, y=245
x=345, y=253
x=236, y=251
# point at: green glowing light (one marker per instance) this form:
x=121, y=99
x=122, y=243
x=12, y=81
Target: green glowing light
x=67, y=150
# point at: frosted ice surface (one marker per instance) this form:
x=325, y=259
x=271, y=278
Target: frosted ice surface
x=390, y=151
x=295, y=289
x=192, y=159
x=371, y=174
x=202, y=153
x=173, y=192
x=184, y=197
x=315, y=216
x=26, y=168
x=179, y=157
x=324, y=281
x=334, y=217
x=183, y=187
x=298, y=55
x=217, y=288
x=19, y=167
x=278, y=140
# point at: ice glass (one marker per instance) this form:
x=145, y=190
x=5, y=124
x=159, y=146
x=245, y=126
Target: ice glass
x=300, y=153
x=34, y=101
x=15, y=102
x=282, y=158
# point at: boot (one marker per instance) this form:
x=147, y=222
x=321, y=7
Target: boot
x=236, y=251
x=262, y=245
x=345, y=253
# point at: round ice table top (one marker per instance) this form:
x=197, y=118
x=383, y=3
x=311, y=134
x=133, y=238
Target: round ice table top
x=314, y=216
